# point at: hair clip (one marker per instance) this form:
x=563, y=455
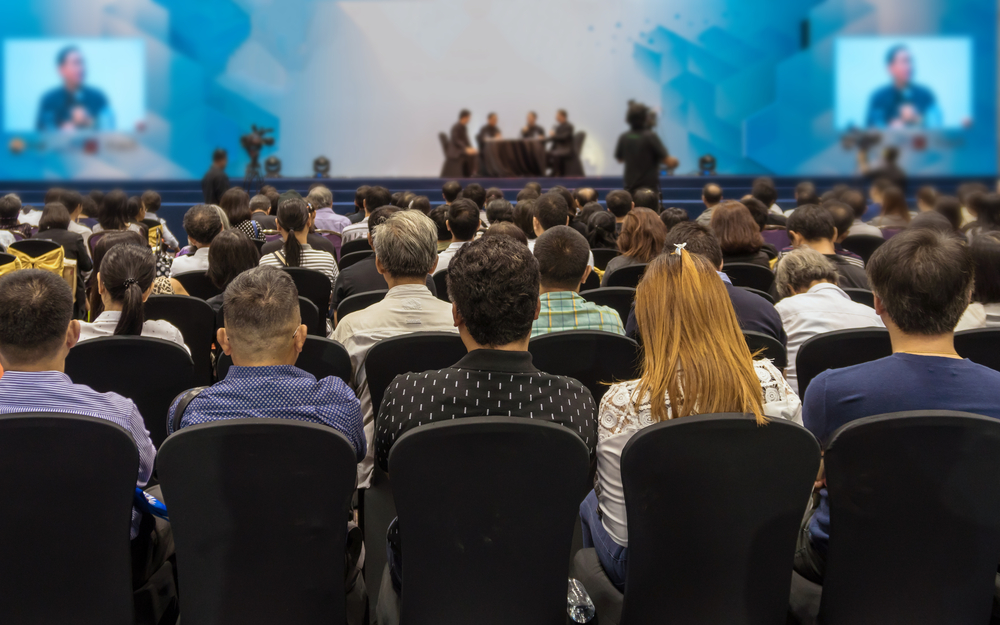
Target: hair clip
x=129, y=282
x=680, y=247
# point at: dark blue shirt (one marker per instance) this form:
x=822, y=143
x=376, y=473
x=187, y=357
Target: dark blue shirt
x=58, y=104
x=898, y=383
x=279, y=392
x=886, y=103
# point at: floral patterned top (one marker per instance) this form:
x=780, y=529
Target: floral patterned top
x=622, y=414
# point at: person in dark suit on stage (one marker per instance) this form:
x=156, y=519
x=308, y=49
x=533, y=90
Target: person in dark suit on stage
x=460, y=141
x=532, y=130
x=562, y=144
x=490, y=130
x=216, y=182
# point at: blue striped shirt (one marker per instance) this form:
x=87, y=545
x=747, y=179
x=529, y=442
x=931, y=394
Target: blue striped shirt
x=278, y=392
x=53, y=391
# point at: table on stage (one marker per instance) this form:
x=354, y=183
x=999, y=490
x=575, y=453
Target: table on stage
x=513, y=158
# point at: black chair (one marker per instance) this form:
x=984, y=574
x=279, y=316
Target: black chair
x=936, y=565
x=309, y=314
x=453, y=162
x=574, y=164
x=421, y=351
x=835, y=350
x=322, y=357
x=6, y=258
x=861, y=296
x=592, y=282
x=67, y=483
x=750, y=275
x=618, y=297
x=981, y=346
x=603, y=256
x=864, y=245
x=197, y=284
x=441, y=285
x=258, y=509
x=627, y=276
x=763, y=294
x=709, y=540
x=594, y=358
x=314, y=286
x=196, y=321
x=466, y=490
x=150, y=372
x=359, y=301
x=772, y=348
x=34, y=247
x=354, y=257
x=357, y=245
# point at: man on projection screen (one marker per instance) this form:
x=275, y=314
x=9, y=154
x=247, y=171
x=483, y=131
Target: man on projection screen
x=902, y=104
x=73, y=106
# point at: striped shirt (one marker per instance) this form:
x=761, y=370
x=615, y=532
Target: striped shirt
x=318, y=260
x=566, y=310
x=53, y=391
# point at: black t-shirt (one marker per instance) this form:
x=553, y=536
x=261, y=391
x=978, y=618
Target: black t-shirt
x=642, y=153
x=214, y=184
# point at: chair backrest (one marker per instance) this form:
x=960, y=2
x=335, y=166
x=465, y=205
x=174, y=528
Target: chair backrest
x=409, y=353
x=603, y=256
x=150, y=372
x=58, y=472
x=441, y=285
x=627, y=276
x=578, y=141
x=981, y=346
x=767, y=296
x=592, y=282
x=35, y=247
x=750, y=275
x=618, y=297
x=888, y=233
x=777, y=237
x=465, y=491
x=864, y=245
x=772, y=348
x=6, y=258
x=357, y=245
x=346, y=260
x=335, y=239
x=197, y=284
x=914, y=519
x=595, y=359
x=322, y=357
x=714, y=504
x=196, y=321
x=443, y=139
x=359, y=301
x=258, y=509
x=94, y=240
x=838, y=349
x=861, y=296
x=314, y=286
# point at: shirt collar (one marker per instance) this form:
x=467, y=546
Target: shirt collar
x=201, y=251
x=497, y=360
x=36, y=377
x=276, y=371
x=456, y=244
x=724, y=277
x=562, y=295
x=109, y=316
x=408, y=290
x=827, y=286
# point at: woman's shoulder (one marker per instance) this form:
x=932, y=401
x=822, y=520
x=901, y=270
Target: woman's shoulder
x=622, y=411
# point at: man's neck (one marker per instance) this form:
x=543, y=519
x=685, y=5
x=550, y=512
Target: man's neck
x=543, y=289
x=454, y=240
x=823, y=246
x=57, y=365
x=619, y=220
x=393, y=282
x=942, y=345
x=471, y=345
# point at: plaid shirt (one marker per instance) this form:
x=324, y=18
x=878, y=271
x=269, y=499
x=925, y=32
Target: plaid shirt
x=566, y=310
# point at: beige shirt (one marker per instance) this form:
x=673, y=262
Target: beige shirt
x=406, y=309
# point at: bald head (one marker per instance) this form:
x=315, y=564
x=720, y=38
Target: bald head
x=711, y=194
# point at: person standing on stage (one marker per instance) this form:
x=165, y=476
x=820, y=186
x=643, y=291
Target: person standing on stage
x=532, y=130
x=642, y=152
x=460, y=140
x=216, y=182
x=562, y=144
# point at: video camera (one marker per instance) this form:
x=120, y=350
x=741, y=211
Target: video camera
x=253, y=142
x=862, y=140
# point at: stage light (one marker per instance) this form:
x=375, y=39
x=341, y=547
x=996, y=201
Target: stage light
x=706, y=165
x=272, y=167
x=321, y=167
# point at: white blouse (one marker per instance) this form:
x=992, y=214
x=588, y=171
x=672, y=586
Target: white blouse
x=105, y=324
x=621, y=415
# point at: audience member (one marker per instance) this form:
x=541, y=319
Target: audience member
x=202, y=224
x=440, y=218
x=236, y=203
x=673, y=216
x=113, y=214
x=967, y=192
x=73, y=202
x=421, y=203
x=926, y=198
x=922, y=282
x=450, y=191
x=695, y=361
x=293, y=226
x=527, y=194
x=151, y=201
x=404, y=254
x=951, y=208
x=889, y=170
x=933, y=220
x=494, y=193
x=562, y=260
x=231, y=254
x=711, y=195
x=506, y=229
x=813, y=303
x=499, y=210
x=640, y=241
x=805, y=193
x=359, y=205
x=642, y=151
x=647, y=198
x=493, y=283
x=54, y=226
x=843, y=219
x=619, y=204
x=602, y=231
x=321, y=199
x=584, y=196
x=764, y=190
x=588, y=211
x=753, y=312
x=524, y=213
x=894, y=213
x=260, y=211
x=984, y=311
x=987, y=215
x=856, y=200
x=738, y=235
x=374, y=197
x=215, y=182
x=463, y=223
x=124, y=282
x=477, y=194
x=551, y=210
x=534, y=186
x=812, y=226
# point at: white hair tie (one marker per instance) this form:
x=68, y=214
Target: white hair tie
x=679, y=246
